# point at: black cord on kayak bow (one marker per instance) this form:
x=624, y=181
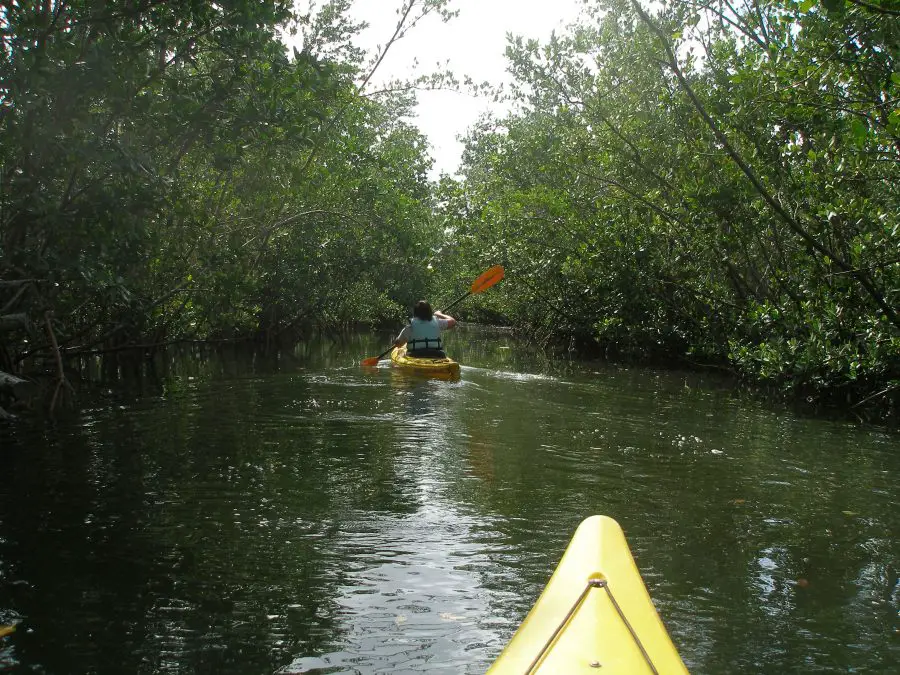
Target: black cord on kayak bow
x=592, y=583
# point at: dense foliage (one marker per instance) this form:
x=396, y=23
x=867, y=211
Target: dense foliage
x=712, y=184
x=171, y=170
x=707, y=183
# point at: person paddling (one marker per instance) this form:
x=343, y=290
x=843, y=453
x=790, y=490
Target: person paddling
x=423, y=334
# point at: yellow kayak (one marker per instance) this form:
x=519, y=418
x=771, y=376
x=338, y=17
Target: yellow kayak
x=594, y=616
x=444, y=367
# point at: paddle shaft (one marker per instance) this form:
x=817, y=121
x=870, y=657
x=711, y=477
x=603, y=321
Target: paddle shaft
x=457, y=301
x=385, y=353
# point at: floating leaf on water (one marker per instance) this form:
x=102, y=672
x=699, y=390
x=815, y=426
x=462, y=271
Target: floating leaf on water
x=849, y=513
x=7, y=630
x=738, y=501
x=449, y=616
x=803, y=583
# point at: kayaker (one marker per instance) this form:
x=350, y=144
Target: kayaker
x=423, y=334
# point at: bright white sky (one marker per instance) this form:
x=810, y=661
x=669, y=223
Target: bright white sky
x=472, y=44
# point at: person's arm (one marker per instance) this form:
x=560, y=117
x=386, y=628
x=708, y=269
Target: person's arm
x=403, y=338
x=451, y=322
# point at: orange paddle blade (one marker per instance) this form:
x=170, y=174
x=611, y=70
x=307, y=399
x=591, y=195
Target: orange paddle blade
x=373, y=360
x=488, y=279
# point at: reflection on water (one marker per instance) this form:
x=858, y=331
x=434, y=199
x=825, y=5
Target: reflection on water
x=297, y=513
x=412, y=599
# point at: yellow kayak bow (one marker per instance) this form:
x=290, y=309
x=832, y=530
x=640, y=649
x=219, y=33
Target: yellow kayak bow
x=594, y=617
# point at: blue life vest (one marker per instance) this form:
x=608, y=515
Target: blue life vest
x=425, y=335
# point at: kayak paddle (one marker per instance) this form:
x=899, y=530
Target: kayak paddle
x=482, y=283
x=373, y=360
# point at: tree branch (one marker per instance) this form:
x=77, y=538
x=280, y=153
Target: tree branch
x=875, y=8
x=60, y=373
x=768, y=197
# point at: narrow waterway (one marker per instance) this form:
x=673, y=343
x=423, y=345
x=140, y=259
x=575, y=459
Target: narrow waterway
x=300, y=514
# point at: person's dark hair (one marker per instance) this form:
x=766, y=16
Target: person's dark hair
x=422, y=311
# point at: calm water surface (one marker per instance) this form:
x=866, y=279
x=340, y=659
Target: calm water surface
x=300, y=514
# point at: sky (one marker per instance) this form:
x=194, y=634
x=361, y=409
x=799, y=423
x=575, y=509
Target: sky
x=471, y=44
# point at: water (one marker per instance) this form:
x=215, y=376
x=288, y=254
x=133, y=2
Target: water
x=304, y=515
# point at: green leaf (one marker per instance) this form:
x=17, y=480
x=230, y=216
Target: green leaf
x=895, y=77
x=807, y=5
x=893, y=124
x=860, y=130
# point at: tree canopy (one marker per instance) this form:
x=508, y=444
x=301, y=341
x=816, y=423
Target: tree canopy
x=708, y=182
x=713, y=184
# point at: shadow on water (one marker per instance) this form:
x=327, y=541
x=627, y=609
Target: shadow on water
x=294, y=512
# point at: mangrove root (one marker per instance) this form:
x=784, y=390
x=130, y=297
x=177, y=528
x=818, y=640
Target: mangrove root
x=61, y=381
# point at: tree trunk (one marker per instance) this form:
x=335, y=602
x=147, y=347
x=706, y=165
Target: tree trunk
x=10, y=322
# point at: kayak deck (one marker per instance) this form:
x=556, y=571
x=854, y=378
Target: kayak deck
x=441, y=367
x=594, y=616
